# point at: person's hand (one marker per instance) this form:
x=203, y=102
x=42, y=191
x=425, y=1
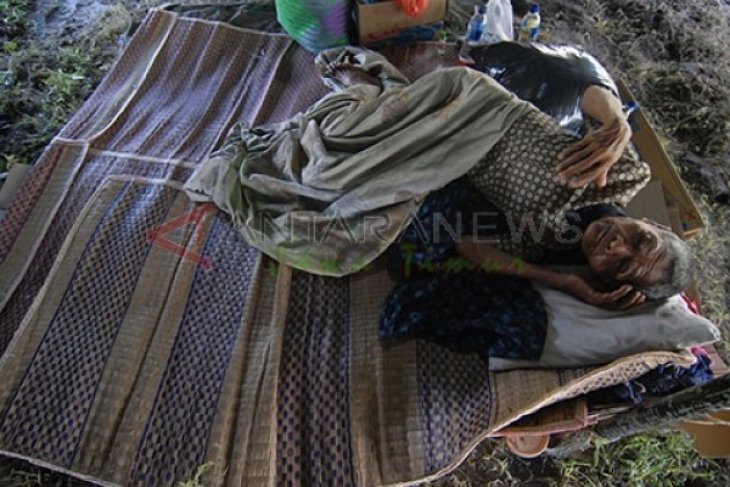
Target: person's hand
x=631, y=300
x=590, y=158
x=623, y=298
x=350, y=74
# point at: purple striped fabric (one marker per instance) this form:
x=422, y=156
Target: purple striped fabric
x=313, y=438
x=182, y=414
x=46, y=415
x=454, y=401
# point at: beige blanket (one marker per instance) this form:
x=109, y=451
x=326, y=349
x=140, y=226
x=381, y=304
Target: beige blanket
x=329, y=189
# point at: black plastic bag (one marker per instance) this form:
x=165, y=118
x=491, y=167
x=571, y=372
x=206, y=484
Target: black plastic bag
x=553, y=78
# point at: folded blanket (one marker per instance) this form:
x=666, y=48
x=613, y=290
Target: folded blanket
x=329, y=189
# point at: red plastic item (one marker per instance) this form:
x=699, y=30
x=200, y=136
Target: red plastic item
x=413, y=8
x=691, y=304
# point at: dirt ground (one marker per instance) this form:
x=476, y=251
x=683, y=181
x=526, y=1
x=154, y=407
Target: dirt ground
x=674, y=55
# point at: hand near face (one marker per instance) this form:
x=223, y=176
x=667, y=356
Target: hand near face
x=623, y=298
x=590, y=159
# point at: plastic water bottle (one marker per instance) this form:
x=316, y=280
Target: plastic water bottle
x=498, y=23
x=630, y=108
x=476, y=26
x=530, y=25
x=443, y=36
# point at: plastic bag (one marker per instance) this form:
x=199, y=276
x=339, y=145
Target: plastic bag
x=315, y=24
x=553, y=78
x=498, y=27
x=413, y=8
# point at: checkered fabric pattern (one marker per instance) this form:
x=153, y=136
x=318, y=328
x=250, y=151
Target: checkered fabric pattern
x=313, y=441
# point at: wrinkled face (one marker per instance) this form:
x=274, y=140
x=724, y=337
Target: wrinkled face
x=626, y=250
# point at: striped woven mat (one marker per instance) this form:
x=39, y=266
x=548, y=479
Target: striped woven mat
x=142, y=338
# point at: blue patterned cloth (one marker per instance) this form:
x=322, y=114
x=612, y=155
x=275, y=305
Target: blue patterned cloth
x=468, y=312
x=664, y=380
x=442, y=298
x=428, y=244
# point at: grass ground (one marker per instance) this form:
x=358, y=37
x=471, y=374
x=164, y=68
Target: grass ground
x=666, y=459
x=672, y=52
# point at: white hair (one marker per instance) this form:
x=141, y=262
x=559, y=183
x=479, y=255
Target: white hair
x=678, y=273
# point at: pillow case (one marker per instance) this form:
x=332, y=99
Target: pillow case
x=580, y=334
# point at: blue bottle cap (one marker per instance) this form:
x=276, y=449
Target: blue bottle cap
x=534, y=8
x=631, y=107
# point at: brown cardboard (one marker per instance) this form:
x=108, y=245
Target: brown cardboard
x=650, y=203
x=385, y=19
x=561, y=417
x=711, y=434
x=679, y=201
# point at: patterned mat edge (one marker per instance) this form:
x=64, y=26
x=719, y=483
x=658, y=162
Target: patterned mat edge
x=567, y=391
x=51, y=468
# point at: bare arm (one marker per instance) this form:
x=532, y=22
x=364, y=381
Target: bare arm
x=591, y=158
x=488, y=258
x=600, y=104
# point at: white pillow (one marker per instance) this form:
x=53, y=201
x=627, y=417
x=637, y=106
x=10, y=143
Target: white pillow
x=579, y=334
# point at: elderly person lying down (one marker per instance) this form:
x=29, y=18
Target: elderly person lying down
x=450, y=293
x=330, y=189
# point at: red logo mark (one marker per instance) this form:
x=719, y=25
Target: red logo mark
x=196, y=217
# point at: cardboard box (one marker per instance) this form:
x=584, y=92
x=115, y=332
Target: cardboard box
x=384, y=23
x=651, y=203
x=711, y=434
x=684, y=215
